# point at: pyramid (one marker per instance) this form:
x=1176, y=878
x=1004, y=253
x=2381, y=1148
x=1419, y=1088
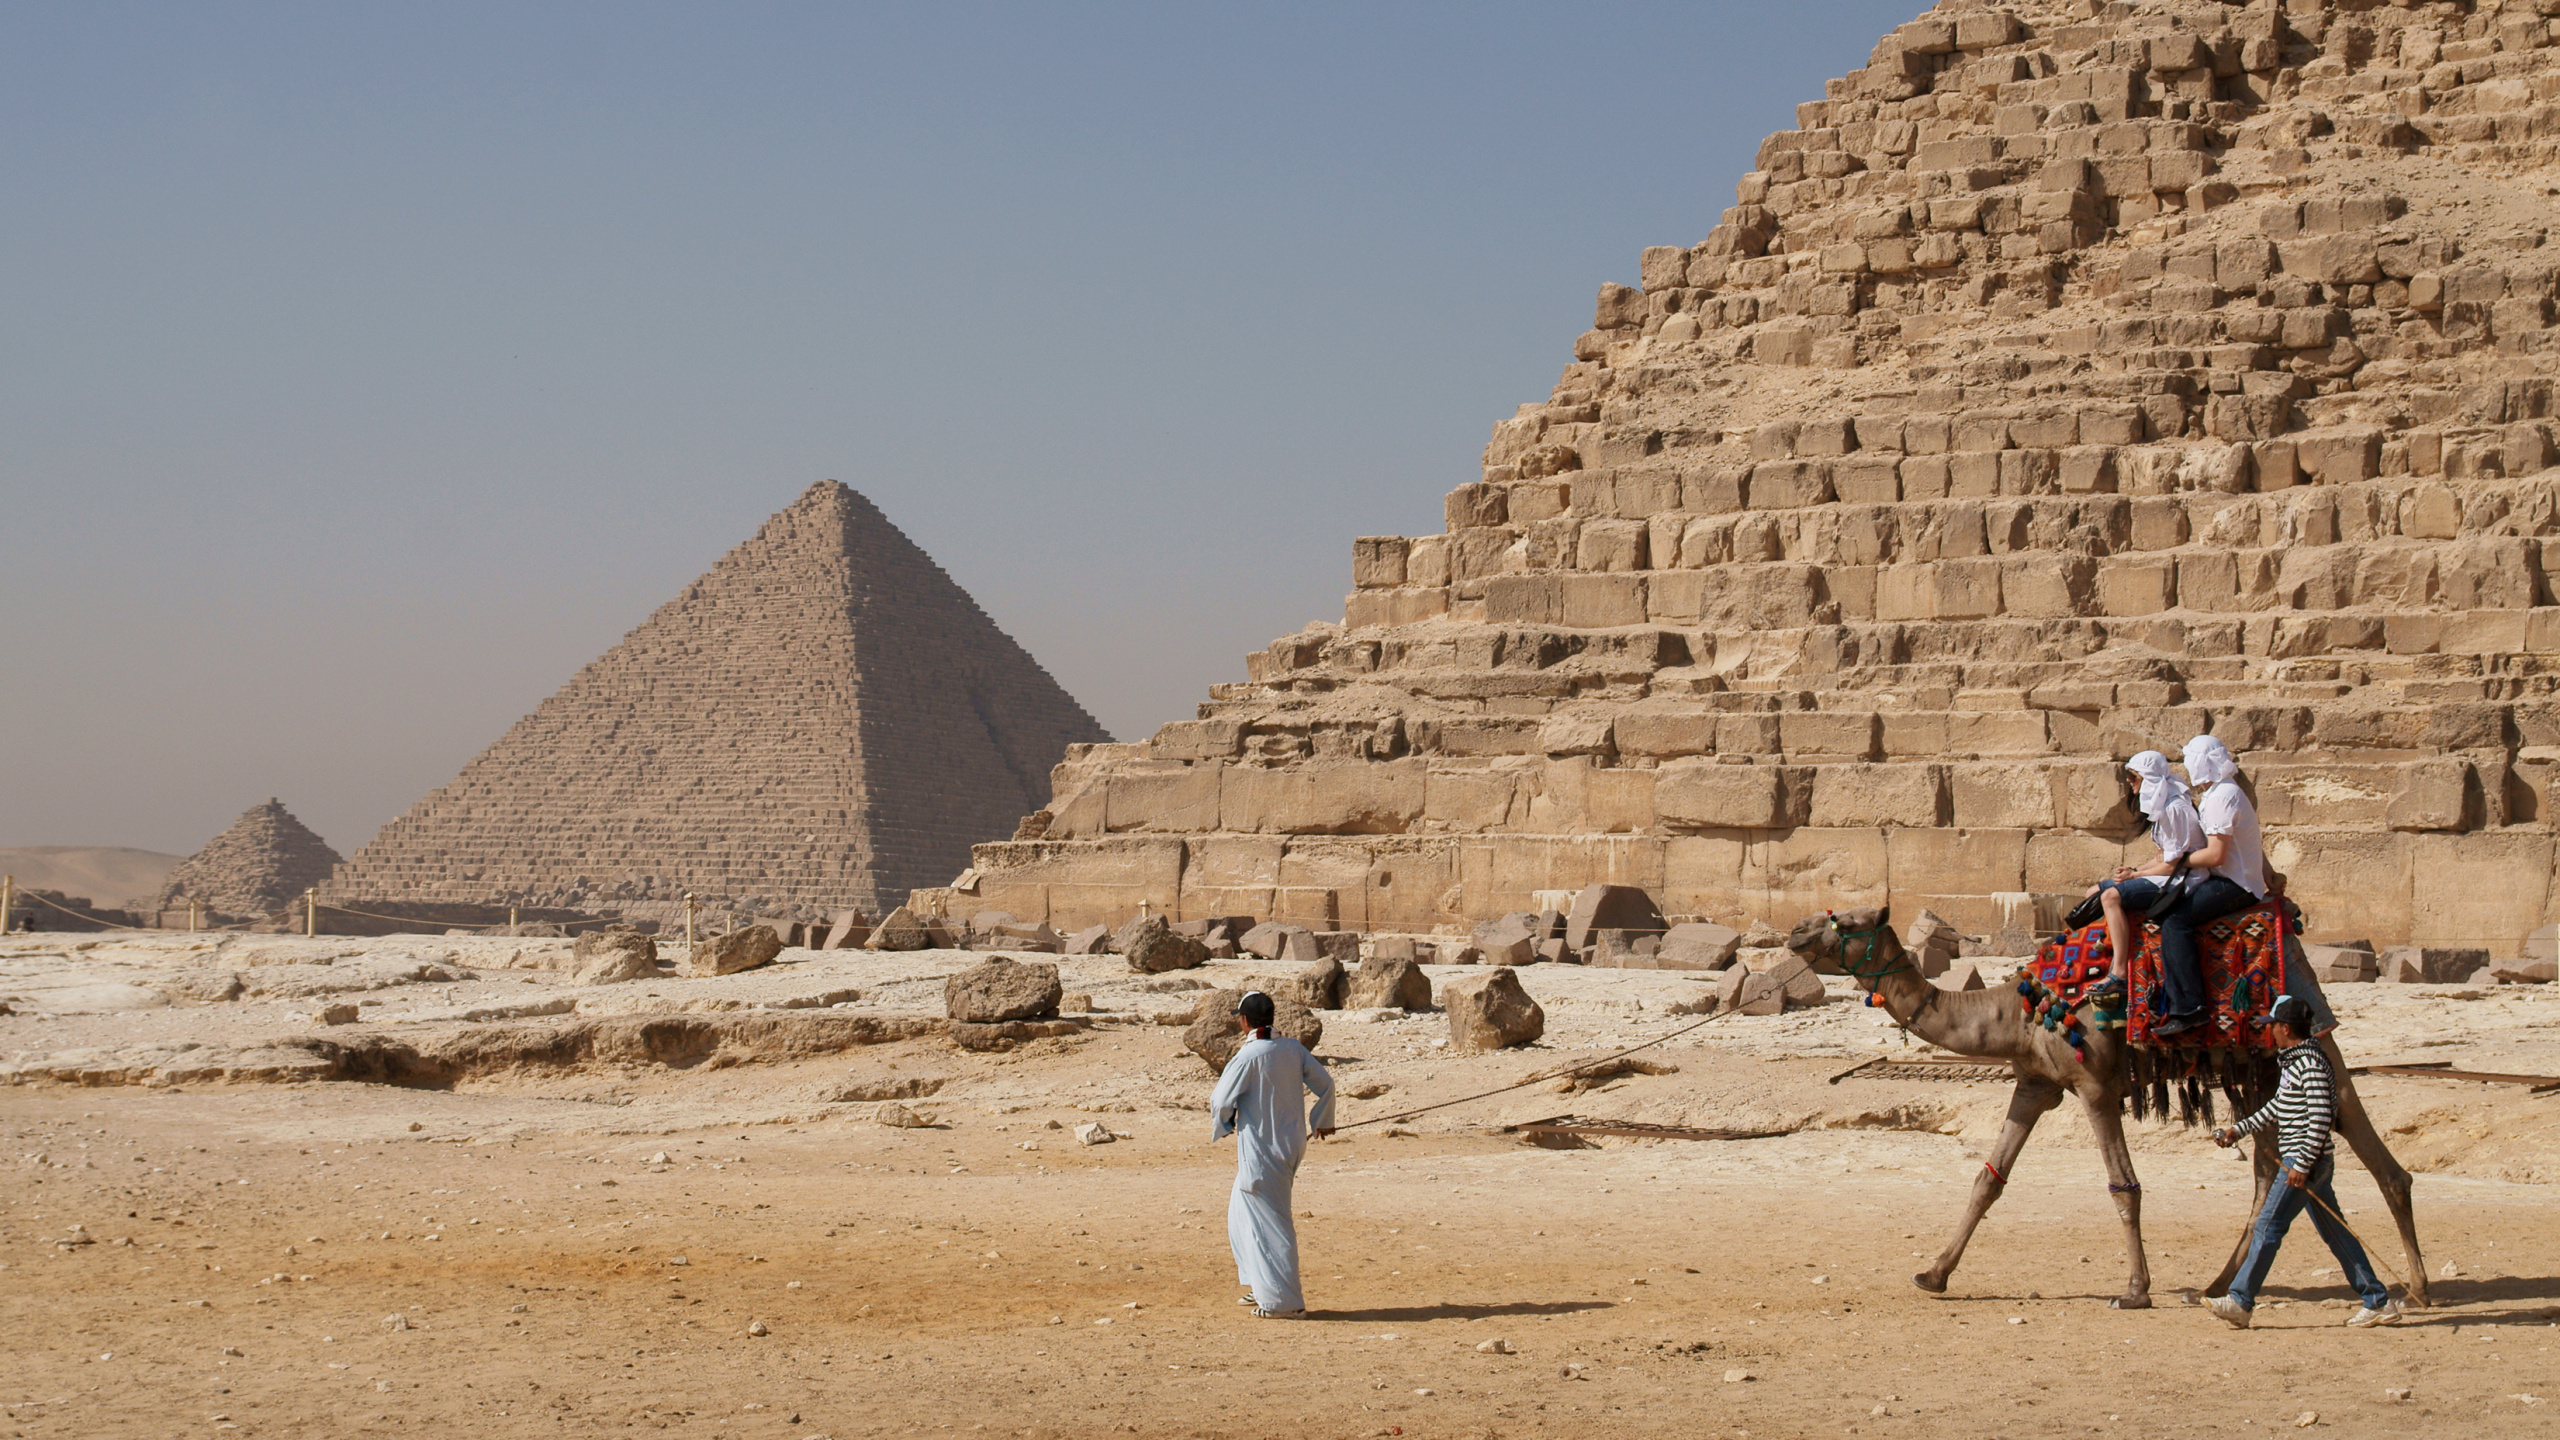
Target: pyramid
x=823, y=719
x=258, y=866
x=2068, y=380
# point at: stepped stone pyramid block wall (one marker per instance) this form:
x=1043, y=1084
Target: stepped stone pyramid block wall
x=823, y=719
x=2069, y=380
x=258, y=866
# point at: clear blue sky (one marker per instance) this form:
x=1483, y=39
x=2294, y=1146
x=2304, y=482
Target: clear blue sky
x=370, y=368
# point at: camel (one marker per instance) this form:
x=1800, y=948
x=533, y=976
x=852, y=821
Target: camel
x=1991, y=1025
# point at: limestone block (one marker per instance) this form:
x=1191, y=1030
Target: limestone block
x=1802, y=987
x=2000, y=796
x=1469, y=801
x=1390, y=984
x=1000, y=990
x=1602, y=906
x=1809, y=869
x=846, y=930
x=1700, y=797
x=1665, y=735
x=1152, y=947
x=1612, y=546
x=746, y=949
x=2487, y=886
x=1867, y=479
x=2337, y=964
x=1175, y=801
x=1789, y=484
x=610, y=956
x=2138, y=587
x=1507, y=941
x=1493, y=1013
x=1931, y=943
x=1323, y=798
x=900, y=929
x=2430, y=965
x=1213, y=1035
x=1577, y=735
x=1592, y=602
x=1378, y=561
x=2339, y=457
x=1829, y=734
x=1699, y=945
x=2439, y=794
x=1878, y=795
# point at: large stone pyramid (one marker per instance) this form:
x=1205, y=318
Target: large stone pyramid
x=258, y=866
x=823, y=719
x=2071, y=379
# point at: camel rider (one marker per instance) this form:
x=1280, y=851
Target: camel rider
x=2303, y=1112
x=2172, y=820
x=2233, y=862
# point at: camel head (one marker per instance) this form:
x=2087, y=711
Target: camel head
x=1817, y=939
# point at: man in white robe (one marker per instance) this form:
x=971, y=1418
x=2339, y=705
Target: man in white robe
x=1257, y=1101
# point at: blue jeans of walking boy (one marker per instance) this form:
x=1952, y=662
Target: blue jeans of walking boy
x=2276, y=1216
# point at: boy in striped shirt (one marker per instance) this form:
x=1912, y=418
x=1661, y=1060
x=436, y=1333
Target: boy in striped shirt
x=2303, y=1112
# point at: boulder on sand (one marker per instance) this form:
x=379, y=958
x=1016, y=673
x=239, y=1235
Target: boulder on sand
x=1272, y=940
x=1389, y=985
x=1802, y=986
x=1610, y=907
x=1494, y=1013
x=611, y=956
x=1153, y=947
x=1213, y=1035
x=1507, y=941
x=1092, y=940
x=900, y=929
x=1320, y=986
x=738, y=950
x=1001, y=990
x=1699, y=945
x=846, y=930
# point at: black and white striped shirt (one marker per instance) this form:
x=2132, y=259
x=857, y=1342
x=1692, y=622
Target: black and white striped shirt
x=2305, y=1109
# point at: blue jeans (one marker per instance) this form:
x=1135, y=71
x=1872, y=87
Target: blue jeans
x=2208, y=898
x=2276, y=1216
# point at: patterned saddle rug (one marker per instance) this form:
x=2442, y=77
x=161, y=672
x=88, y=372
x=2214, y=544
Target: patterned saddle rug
x=2242, y=958
x=2241, y=955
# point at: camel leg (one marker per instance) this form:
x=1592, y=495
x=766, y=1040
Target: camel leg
x=2027, y=1104
x=2388, y=1175
x=2107, y=1119
x=2263, y=1164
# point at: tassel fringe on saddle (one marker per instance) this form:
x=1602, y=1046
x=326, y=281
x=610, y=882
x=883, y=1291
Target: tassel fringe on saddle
x=2246, y=1078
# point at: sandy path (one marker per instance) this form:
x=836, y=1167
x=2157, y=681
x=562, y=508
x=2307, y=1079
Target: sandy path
x=950, y=1280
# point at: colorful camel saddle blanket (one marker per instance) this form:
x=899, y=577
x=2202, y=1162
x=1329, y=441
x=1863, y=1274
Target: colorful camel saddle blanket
x=2241, y=955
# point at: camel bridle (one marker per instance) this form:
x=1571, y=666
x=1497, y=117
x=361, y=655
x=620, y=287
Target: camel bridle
x=1870, y=980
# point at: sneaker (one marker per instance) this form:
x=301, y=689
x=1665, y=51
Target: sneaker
x=2367, y=1317
x=1261, y=1314
x=2229, y=1311
x=1244, y=1299
x=2177, y=1025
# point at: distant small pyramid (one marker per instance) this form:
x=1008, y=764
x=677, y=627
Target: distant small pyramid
x=264, y=861
x=825, y=718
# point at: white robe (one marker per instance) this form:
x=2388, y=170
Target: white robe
x=1257, y=1101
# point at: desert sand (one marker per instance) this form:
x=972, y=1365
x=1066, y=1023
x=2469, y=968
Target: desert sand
x=728, y=1245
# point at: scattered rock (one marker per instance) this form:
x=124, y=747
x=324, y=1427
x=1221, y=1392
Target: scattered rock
x=1272, y=940
x=1507, y=941
x=900, y=929
x=1494, y=1014
x=1389, y=984
x=1010, y=1034
x=1803, y=987
x=344, y=1013
x=2430, y=965
x=905, y=1087
x=1495, y=1347
x=1321, y=986
x=1000, y=989
x=758, y=1328
x=1699, y=945
x=612, y=956
x=738, y=950
x=1075, y=1002
x=1761, y=995
x=1153, y=947
x=1610, y=907
x=1933, y=944
x=1962, y=975
x=846, y=930
x=1095, y=1133
x=1095, y=940
x=2532, y=972
x=901, y=1117
x=2396, y=1393
x=1737, y=1377
x=1213, y=1035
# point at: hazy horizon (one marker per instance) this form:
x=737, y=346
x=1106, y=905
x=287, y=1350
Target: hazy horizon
x=375, y=368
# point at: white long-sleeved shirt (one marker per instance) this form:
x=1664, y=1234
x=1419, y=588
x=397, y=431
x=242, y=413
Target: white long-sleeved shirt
x=1257, y=1101
x=2304, y=1110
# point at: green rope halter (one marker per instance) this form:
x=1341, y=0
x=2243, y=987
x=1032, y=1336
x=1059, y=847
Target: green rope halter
x=1866, y=978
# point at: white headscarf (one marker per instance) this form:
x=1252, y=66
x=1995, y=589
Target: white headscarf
x=2158, y=785
x=2209, y=761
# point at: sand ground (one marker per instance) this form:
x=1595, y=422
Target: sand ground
x=249, y=1245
